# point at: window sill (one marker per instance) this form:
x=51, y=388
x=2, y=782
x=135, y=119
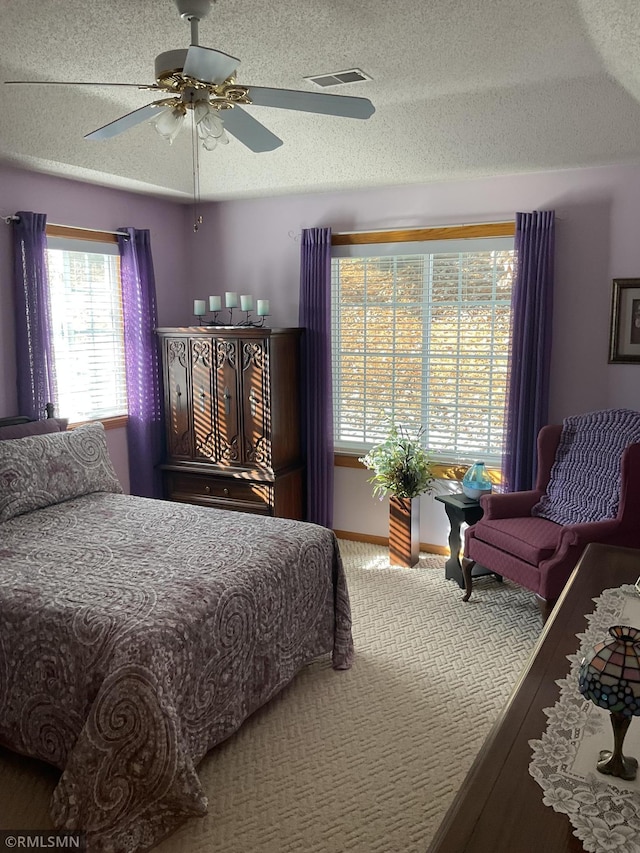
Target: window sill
x=117, y=422
x=441, y=470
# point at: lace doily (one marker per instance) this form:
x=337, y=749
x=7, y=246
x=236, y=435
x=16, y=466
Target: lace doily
x=604, y=810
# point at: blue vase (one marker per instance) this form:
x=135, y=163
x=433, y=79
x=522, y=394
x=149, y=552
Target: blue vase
x=476, y=482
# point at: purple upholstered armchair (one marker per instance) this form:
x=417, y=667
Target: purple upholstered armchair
x=587, y=490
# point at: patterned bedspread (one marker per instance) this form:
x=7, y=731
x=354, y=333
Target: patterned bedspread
x=137, y=634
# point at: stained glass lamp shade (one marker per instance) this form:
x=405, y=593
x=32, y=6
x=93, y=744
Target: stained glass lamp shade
x=610, y=677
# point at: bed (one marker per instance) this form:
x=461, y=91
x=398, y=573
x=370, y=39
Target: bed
x=137, y=634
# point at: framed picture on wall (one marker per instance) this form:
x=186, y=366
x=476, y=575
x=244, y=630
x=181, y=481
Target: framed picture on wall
x=624, y=339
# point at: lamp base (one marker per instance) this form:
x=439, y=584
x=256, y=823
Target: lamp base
x=613, y=762
x=622, y=766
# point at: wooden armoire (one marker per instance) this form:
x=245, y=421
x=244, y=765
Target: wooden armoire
x=232, y=414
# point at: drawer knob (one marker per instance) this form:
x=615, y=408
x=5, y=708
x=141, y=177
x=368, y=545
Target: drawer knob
x=207, y=490
x=226, y=491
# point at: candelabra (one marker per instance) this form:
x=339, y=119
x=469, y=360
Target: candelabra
x=231, y=302
x=249, y=322
x=214, y=322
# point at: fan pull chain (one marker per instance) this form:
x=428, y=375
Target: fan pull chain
x=195, y=157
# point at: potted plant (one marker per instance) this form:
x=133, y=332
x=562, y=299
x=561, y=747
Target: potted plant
x=402, y=470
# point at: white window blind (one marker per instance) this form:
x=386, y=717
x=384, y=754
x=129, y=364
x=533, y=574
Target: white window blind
x=88, y=335
x=423, y=338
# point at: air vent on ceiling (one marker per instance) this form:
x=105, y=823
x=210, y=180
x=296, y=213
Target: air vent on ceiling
x=337, y=78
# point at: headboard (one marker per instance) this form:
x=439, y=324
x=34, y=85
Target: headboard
x=23, y=419
x=21, y=426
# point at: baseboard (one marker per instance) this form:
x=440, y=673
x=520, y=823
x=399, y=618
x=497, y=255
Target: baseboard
x=384, y=540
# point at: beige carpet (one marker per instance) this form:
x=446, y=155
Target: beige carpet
x=366, y=760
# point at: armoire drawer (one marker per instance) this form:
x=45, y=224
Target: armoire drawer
x=207, y=487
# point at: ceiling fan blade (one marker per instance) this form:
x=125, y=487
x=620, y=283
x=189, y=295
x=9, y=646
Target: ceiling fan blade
x=209, y=65
x=249, y=131
x=311, y=102
x=123, y=123
x=74, y=83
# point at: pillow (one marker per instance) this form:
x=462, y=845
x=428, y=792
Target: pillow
x=33, y=428
x=41, y=470
x=585, y=477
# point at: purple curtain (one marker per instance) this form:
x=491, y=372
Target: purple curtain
x=34, y=347
x=315, y=318
x=142, y=362
x=532, y=305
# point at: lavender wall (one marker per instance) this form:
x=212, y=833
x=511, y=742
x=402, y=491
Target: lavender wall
x=73, y=203
x=253, y=247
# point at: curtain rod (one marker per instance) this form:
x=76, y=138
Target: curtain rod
x=422, y=227
x=14, y=218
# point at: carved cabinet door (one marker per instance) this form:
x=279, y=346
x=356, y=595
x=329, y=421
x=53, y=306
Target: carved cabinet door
x=204, y=411
x=177, y=402
x=256, y=405
x=227, y=409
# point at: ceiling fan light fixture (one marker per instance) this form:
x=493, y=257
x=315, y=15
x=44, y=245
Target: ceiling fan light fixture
x=169, y=122
x=209, y=125
x=207, y=118
x=211, y=142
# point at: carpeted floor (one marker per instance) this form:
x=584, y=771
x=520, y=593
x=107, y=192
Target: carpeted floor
x=366, y=760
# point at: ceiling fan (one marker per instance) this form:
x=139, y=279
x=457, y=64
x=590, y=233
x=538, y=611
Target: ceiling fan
x=202, y=80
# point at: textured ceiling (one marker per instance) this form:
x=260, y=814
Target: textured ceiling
x=462, y=89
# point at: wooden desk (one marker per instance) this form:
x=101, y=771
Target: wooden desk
x=499, y=807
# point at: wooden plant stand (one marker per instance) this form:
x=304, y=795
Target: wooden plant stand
x=404, y=531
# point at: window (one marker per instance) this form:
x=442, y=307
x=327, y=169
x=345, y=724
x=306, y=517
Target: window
x=87, y=325
x=421, y=334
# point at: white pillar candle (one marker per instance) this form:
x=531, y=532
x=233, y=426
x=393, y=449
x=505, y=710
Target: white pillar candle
x=263, y=307
x=231, y=299
x=199, y=307
x=246, y=303
x=215, y=303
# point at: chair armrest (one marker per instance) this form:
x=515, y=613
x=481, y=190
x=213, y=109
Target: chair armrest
x=591, y=531
x=575, y=537
x=510, y=505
